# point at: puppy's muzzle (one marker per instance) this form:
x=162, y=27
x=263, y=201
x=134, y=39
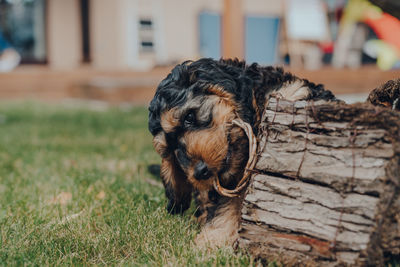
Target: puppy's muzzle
x=201, y=171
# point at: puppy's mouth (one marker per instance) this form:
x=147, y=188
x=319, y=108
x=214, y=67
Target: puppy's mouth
x=233, y=165
x=204, y=180
x=227, y=176
x=230, y=170
x=226, y=162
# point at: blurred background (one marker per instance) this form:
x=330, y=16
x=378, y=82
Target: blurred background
x=118, y=51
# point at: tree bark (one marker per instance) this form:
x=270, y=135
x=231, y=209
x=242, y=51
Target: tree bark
x=326, y=186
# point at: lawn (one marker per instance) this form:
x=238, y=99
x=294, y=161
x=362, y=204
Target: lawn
x=74, y=190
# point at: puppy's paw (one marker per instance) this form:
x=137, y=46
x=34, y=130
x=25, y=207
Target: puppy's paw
x=222, y=230
x=212, y=238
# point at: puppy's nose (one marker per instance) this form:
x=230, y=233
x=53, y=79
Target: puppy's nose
x=201, y=171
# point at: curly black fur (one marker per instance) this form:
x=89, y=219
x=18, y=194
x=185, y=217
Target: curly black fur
x=249, y=86
x=196, y=104
x=241, y=80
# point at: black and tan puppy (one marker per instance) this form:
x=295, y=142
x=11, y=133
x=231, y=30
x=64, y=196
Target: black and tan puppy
x=191, y=120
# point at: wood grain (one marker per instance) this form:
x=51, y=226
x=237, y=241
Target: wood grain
x=325, y=189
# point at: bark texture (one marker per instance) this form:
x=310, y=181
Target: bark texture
x=326, y=186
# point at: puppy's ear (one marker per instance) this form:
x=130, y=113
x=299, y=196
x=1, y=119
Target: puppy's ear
x=177, y=189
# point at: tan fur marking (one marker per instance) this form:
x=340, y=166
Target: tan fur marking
x=167, y=171
x=159, y=143
x=223, y=229
x=293, y=91
x=236, y=162
x=173, y=176
x=224, y=95
x=223, y=112
x=257, y=109
x=169, y=120
x=204, y=203
x=219, y=91
x=210, y=145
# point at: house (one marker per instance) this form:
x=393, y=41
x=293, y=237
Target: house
x=133, y=34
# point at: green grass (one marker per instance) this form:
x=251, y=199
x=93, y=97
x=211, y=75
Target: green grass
x=73, y=191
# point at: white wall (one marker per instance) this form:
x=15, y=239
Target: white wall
x=263, y=7
x=181, y=22
x=114, y=29
x=181, y=26
x=106, y=28
x=64, y=34
x=114, y=34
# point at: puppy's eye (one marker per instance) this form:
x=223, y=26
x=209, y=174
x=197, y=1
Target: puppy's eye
x=190, y=119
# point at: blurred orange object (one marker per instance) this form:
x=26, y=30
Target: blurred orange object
x=386, y=27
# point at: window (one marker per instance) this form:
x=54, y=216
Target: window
x=23, y=24
x=146, y=23
x=146, y=35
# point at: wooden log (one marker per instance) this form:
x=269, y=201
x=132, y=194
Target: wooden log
x=326, y=187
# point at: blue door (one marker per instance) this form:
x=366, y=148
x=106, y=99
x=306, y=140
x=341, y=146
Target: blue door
x=210, y=34
x=262, y=37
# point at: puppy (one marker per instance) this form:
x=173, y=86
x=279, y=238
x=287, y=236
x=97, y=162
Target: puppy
x=191, y=119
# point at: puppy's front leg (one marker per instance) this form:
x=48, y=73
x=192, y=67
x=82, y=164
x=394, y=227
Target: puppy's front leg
x=177, y=189
x=222, y=229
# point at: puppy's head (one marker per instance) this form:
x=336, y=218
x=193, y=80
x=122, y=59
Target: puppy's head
x=191, y=121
